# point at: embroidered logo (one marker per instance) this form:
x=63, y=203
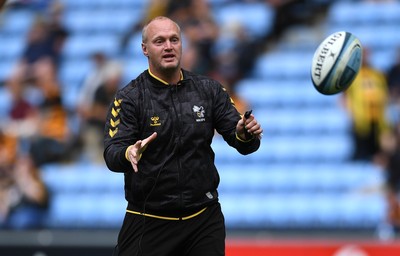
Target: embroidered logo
x=155, y=121
x=199, y=113
x=115, y=121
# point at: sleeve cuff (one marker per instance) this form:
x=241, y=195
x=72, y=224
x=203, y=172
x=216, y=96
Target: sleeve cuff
x=242, y=140
x=126, y=152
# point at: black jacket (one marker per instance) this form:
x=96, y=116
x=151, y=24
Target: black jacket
x=177, y=175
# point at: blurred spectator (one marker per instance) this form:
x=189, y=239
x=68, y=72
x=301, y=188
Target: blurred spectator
x=38, y=116
x=366, y=101
x=201, y=33
x=37, y=55
x=35, y=5
x=96, y=95
x=199, y=29
x=40, y=59
x=179, y=10
x=53, y=140
x=57, y=32
x=43, y=128
x=389, y=159
x=393, y=78
x=36, y=131
x=31, y=137
x=235, y=59
x=155, y=8
x=293, y=12
x=23, y=195
x=103, y=68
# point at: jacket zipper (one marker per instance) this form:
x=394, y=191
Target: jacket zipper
x=174, y=90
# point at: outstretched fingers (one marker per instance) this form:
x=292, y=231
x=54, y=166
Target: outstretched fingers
x=136, y=150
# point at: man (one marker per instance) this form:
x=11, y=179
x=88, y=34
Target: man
x=158, y=132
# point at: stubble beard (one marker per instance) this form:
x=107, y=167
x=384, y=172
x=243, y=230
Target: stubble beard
x=169, y=68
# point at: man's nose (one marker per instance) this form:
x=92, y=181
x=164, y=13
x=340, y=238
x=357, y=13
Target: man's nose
x=168, y=45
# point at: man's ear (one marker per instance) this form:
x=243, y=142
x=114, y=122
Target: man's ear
x=144, y=49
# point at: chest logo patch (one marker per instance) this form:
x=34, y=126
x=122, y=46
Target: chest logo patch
x=155, y=121
x=200, y=117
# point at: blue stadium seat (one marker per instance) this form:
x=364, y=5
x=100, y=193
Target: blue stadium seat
x=112, y=211
x=291, y=210
x=16, y=22
x=74, y=70
x=134, y=48
x=286, y=93
x=342, y=12
x=71, y=75
x=5, y=102
x=255, y=17
x=326, y=211
x=226, y=153
x=61, y=178
x=6, y=68
x=12, y=47
x=243, y=210
x=83, y=45
x=314, y=148
x=117, y=21
x=302, y=210
x=134, y=66
x=87, y=210
x=328, y=148
x=383, y=59
x=79, y=5
x=248, y=177
x=281, y=65
x=362, y=209
x=65, y=211
x=290, y=120
x=84, y=196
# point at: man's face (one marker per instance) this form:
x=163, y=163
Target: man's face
x=163, y=46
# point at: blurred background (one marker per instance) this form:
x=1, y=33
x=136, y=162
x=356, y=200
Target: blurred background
x=326, y=176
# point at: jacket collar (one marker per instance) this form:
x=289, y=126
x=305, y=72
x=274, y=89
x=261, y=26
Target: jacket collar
x=161, y=80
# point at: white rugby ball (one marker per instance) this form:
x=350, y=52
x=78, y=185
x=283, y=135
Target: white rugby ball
x=336, y=63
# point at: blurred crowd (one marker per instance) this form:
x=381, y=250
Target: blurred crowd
x=38, y=127
x=38, y=130
x=373, y=105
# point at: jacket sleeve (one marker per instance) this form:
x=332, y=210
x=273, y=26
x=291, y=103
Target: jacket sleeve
x=120, y=131
x=226, y=117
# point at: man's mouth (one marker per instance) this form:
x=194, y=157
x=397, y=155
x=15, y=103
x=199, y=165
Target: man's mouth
x=168, y=56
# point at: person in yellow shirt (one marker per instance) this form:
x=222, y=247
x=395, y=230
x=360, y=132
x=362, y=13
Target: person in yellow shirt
x=366, y=101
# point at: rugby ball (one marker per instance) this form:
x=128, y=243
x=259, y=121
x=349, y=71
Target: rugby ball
x=336, y=63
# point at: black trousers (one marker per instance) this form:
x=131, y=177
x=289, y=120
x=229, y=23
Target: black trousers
x=365, y=147
x=198, y=236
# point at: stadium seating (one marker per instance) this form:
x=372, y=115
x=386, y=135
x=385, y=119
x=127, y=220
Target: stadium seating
x=16, y=22
x=101, y=21
x=299, y=178
x=256, y=18
x=278, y=92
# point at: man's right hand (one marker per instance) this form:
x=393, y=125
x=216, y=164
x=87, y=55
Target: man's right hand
x=134, y=152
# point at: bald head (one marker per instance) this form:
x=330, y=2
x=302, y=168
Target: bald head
x=157, y=20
